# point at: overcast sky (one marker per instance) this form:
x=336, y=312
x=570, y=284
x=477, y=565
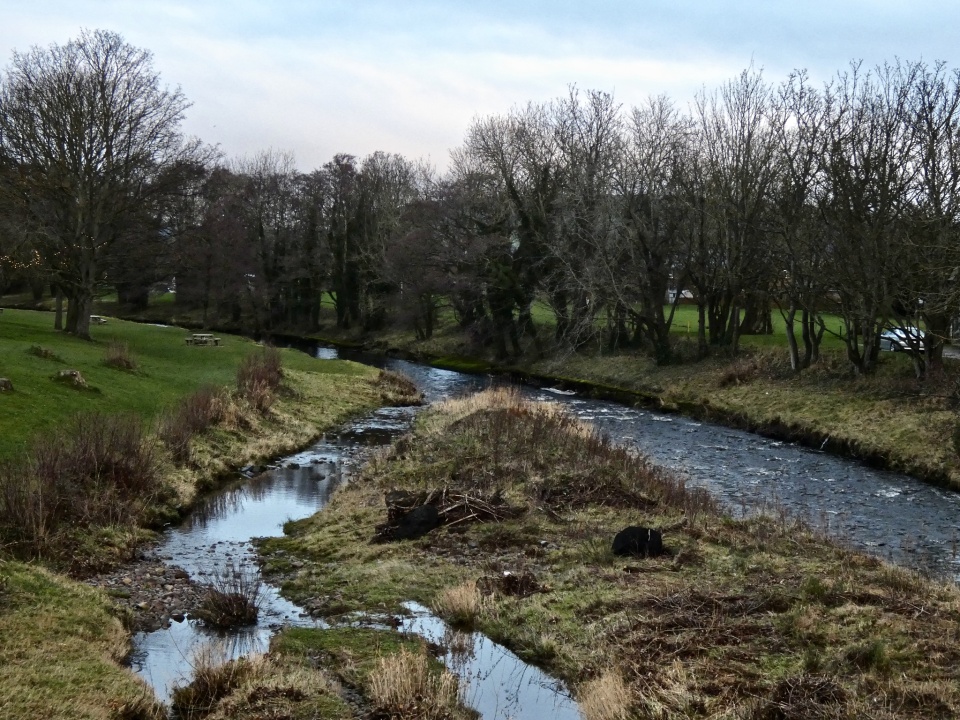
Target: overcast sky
x=318, y=77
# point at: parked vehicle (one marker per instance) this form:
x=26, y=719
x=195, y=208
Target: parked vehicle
x=898, y=339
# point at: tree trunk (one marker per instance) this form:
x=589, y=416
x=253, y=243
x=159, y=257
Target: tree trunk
x=58, y=315
x=788, y=319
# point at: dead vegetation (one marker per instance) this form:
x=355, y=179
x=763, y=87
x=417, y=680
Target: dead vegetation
x=407, y=685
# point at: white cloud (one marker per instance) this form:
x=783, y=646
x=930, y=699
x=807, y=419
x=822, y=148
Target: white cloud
x=359, y=75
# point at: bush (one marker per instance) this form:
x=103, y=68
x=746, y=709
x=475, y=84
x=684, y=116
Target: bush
x=259, y=377
x=119, y=356
x=192, y=415
x=102, y=471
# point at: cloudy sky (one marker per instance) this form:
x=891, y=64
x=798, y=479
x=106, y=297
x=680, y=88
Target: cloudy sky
x=318, y=77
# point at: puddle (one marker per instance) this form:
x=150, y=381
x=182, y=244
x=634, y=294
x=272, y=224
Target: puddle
x=493, y=681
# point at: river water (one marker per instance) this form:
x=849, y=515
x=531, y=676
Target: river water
x=891, y=515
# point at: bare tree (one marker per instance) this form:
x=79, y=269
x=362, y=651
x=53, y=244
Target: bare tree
x=798, y=121
x=738, y=164
x=653, y=247
x=932, y=285
x=90, y=133
x=869, y=169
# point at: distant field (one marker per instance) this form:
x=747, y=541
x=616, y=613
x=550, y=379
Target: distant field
x=167, y=369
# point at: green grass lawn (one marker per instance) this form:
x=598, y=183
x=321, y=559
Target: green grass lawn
x=167, y=369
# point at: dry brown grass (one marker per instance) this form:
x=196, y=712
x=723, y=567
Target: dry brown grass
x=214, y=678
x=405, y=685
x=118, y=356
x=459, y=605
x=604, y=698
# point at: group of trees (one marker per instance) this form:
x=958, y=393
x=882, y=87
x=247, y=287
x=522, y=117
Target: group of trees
x=761, y=198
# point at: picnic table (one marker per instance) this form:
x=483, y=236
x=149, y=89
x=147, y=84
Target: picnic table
x=203, y=339
x=98, y=320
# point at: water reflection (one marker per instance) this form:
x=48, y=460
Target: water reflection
x=493, y=681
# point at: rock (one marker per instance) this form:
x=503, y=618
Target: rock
x=71, y=377
x=127, y=581
x=6, y=385
x=639, y=541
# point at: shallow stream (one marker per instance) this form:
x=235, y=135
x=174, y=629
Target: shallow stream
x=890, y=514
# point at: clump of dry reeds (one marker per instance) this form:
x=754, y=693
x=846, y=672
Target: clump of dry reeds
x=259, y=377
x=232, y=598
x=404, y=685
x=460, y=605
x=214, y=677
x=192, y=415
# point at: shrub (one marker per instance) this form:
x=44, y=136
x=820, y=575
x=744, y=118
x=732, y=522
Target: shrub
x=192, y=415
x=102, y=471
x=259, y=377
x=231, y=599
x=119, y=356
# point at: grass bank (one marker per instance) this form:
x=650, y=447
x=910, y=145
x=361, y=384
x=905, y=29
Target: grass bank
x=753, y=619
x=61, y=645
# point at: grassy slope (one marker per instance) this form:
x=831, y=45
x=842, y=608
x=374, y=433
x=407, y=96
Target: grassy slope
x=168, y=369
x=740, y=619
x=59, y=650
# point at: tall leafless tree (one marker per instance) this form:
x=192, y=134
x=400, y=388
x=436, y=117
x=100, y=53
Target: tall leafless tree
x=91, y=133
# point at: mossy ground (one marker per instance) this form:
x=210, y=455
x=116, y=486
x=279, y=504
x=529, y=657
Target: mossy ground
x=738, y=619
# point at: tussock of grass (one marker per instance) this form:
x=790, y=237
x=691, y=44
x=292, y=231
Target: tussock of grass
x=232, y=598
x=406, y=684
x=739, y=618
x=459, y=605
x=214, y=677
x=604, y=698
x=119, y=357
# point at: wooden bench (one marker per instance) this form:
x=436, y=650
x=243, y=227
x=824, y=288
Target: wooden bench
x=202, y=339
x=98, y=320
